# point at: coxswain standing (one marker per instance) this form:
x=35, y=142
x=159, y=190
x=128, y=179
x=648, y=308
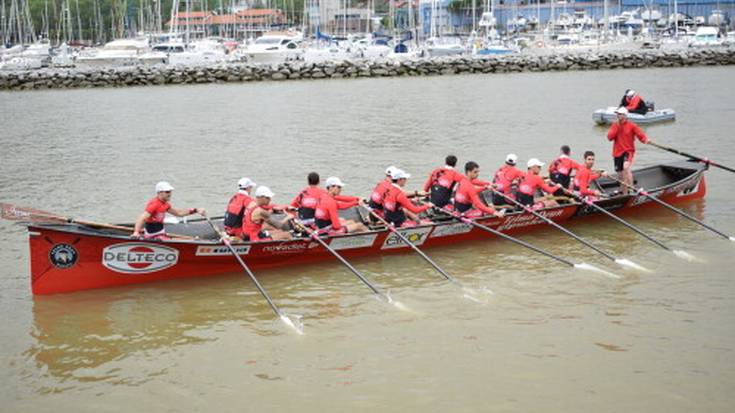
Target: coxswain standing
x=236, y=208
x=326, y=216
x=530, y=183
x=398, y=209
x=585, y=176
x=466, y=200
x=634, y=102
x=504, y=179
x=256, y=226
x=560, y=170
x=152, y=219
x=623, y=134
x=441, y=182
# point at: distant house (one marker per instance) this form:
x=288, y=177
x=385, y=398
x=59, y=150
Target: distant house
x=243, y=23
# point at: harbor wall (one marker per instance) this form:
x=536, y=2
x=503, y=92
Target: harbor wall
x=241, y=72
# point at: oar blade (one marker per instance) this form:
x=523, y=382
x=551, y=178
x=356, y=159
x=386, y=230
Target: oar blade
x=294, y=322
x=16, y=213
x=685, y=255
x=588, y=267
x=624, y=262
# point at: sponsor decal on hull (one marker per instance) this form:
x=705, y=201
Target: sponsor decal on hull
x=526, y=220
x=289, y=247
x=219, y=250
x=139, y=257
x=417, y=236
x=451, y=229
x=359, y=241
x=63, y=256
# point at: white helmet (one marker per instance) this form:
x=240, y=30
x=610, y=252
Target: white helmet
x=389, y=170
x=245, y=183
x=511, y=158
x=334, y=181
x=630, y=93
x=400, y=174
x=264, y=191
x=534, y=162
x=621, y=111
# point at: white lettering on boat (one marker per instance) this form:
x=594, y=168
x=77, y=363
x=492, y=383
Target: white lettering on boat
x=290, y=247
x=417, y=236
x=138, y=257
x=360, y=241
x=219, y=250
x=451, y=229
x=526, y=220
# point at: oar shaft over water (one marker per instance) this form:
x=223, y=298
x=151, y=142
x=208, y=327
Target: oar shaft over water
x=695, y=158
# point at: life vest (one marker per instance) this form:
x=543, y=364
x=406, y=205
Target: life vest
x=308, y=199
x=252, y=229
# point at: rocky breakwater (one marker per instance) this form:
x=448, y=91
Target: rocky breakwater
x=243, y=72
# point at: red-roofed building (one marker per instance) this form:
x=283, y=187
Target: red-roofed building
x=241, y=24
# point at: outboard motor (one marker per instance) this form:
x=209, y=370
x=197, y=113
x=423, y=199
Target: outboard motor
x=651, y=106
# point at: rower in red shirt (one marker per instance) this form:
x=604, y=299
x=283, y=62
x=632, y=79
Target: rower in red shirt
x=327, y=218
x=236, y=208
x=152, y=219
x=505, y=178
x=441, y=182
x=623, y=134
x=585, y=176
x=532, y=182
x=634, y=102
x=560, y=170
x=258, y=225
x=381, y=189
x=466, y=200
x=307, y=200
x=398, y=209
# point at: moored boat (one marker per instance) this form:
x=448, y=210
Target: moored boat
x=72, y=257
x=608, y=116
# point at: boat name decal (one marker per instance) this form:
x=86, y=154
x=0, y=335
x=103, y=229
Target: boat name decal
x=138, y=257
x=417, y=236
x=219, y=250
x=451, y=229
x=360, y=241
x=525, y=220
x=63, y=256
x=290, y=247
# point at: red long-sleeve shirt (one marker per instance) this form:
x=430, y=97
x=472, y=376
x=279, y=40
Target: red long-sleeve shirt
x=444, y=176
x=466, y=193
x=379, y=192
x=623, y=137
x=328, y=206
x=564, y=165
x=531, y=182
x=396, y=198
x=505, y=176
x=582, y=181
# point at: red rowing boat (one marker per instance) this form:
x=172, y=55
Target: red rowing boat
x=71, y=257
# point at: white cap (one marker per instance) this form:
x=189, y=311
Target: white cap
x=511, y=158
x=621, y=111
x=264, y=191
x=399, y=174
x=534, y=162
x=389, y=170
x=334, y=181
x=245, y=183
x=630, y=93
x=164, y=186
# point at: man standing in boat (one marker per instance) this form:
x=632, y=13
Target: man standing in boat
x=586, y=175
x=530, y=183
x=151, y=220
x=441, y=182
x=466, y=200
x=326, y=216
x=504, y=179
x=258, y=218
x=623, y=134
x=237, y=206
x=398, y=209
x=560, y=170
x=633, y=102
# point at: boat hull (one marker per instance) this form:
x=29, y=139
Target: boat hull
x=608, y=116
x=68, y=257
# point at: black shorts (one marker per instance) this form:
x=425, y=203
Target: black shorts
x=525, y=199
x=620, y=160
x=500, y=200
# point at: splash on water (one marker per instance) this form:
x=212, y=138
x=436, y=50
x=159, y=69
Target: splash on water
x=630, y=264
x=294, y=322
x=685, y=255
x=589, y=267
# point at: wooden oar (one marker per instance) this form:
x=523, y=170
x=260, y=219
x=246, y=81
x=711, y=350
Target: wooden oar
x=678, y=253
x=692, y=157
x=16, y=213
x=674, y=209
x=413, y=246
x=313, y=234
x=296, y=325
x=524, y=244
x=620, y=261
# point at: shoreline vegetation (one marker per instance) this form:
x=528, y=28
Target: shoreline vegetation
x=72, y=78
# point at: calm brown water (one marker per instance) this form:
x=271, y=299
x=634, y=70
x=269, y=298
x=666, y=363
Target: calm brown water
x=548, y=340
